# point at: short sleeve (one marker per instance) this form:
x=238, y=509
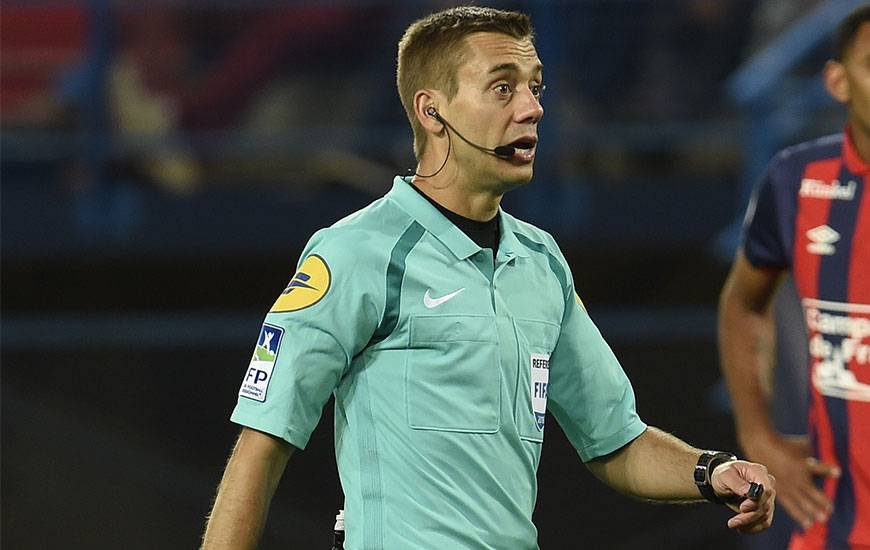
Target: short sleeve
x=762, y=239
x=326, y=315
x=589, y=393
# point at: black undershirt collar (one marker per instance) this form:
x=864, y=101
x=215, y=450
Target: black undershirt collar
x=484, y=234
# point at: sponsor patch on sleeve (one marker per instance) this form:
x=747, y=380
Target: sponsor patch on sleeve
x=307, y=287
x=259, y=372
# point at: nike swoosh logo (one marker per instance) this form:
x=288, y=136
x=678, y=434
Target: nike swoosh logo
x=431, y=302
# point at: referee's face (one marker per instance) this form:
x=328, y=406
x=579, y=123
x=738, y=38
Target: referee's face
x=497, y=103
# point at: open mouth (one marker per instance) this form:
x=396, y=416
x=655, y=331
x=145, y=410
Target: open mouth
x=524, y=149
x=524, y=143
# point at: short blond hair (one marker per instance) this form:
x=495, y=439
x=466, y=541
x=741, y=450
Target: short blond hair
x=432, y=49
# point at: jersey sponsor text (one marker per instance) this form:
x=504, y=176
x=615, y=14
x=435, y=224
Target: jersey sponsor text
x=818, y=189
x=840, y=348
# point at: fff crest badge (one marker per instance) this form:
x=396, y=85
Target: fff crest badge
x=540, y=369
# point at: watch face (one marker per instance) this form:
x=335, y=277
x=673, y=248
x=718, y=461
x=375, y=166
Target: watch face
x=700, y=473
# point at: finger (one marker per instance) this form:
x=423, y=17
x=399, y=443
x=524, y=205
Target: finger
x=768, y=496
x=754, y=521
x=749, y=505
x=744, y=521
x=756, y=497
x=750, y=500
x=794, y=508
x=766, y=522
x=757, y=527
x=814, y=505
x=819, y=505
x=818, y=468
x=740, y=490
x=815, y=500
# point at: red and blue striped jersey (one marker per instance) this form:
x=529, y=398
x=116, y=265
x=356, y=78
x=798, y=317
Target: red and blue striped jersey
x=811, y=214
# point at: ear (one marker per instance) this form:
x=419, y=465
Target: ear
x=836, y=81
x=424, y=101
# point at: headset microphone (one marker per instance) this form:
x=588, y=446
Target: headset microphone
x=504, y=151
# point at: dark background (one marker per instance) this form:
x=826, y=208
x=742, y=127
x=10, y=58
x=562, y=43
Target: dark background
x=163, y=166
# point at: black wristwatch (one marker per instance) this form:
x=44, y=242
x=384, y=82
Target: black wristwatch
x=708, y=462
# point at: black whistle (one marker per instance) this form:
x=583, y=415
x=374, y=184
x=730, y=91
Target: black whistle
x=755, y=491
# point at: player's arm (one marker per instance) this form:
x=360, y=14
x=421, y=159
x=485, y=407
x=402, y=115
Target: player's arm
x=659, y=466
x=745, y=343
x=245, y=492
x=745, y=330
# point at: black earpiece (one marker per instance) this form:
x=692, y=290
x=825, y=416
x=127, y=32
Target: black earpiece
x=432, y=112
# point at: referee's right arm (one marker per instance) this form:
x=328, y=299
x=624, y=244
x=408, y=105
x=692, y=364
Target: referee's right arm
x=242, y=503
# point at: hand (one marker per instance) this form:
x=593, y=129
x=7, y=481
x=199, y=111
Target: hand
x=790, y=460
x=731, y=480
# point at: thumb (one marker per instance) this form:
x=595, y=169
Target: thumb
x=728, y=481
x=818, y=468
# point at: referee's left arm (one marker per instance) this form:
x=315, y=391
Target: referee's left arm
x=658, y=466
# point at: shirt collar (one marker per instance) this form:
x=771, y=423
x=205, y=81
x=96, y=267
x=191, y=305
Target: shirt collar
x=509, y=245
x=444, y=230
x=854, y=162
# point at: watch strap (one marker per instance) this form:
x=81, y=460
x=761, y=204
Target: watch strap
x=707, y=462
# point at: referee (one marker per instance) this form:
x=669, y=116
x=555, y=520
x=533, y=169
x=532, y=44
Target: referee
x=446, y=328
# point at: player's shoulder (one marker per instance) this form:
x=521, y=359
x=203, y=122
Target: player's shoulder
x=542, y=247
x=530, y=235
x=799, y=155
x=367, y=233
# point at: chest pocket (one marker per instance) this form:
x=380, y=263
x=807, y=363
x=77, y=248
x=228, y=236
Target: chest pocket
x=452, y=375
x=536, y=341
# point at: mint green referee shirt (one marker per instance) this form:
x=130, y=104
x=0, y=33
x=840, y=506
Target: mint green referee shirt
x=442, y=363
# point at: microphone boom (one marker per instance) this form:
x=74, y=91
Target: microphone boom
x=503, y=151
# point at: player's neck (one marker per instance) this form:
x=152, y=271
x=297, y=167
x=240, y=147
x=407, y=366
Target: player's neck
x=861, y=140
x=460, y=198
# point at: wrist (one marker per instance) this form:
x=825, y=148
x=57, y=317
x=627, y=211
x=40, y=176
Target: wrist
x=703, y=473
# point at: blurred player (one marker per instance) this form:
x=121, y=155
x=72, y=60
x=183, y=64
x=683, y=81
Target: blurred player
x=446, y=329
x=810, y=215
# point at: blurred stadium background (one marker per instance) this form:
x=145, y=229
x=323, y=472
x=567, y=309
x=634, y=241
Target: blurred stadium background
x=163, y=164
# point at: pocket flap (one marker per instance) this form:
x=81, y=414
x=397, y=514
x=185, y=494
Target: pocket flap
x=453, y=328
x=539, y=334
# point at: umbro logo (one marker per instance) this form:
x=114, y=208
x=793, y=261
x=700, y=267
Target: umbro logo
x=431, y=302
x=823, y=238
